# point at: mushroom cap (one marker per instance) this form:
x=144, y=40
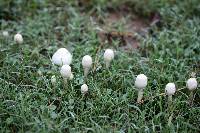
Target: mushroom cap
x=84, y=89
x=71, y=77
x=62, y=57
x=18, y=38
x=5, y=33
x=170, y=89
x=141, y=81
x=87, y=61
x=53, y=79
x=108, y=55
x=191, y=84
x=65, y=71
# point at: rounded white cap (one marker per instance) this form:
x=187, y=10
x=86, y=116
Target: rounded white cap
x=18, y=38
x=5, y=33
x=191, y=84
x=84, y=89
x=71, y=77
x=141, y=81
x=170, y=89
x=65, y=71
x=53, y=79
x=87, y=61
x=108, y=55
x=62, y=57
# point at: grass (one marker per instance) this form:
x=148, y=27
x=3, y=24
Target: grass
x=28, y=101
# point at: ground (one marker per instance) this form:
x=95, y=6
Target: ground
x=157, y=38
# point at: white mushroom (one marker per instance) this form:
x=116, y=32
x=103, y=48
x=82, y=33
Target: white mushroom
x=5, y=33
x=191, y=84
x=39, y=72
x=108, y=57
x=87, y=64
x=53, y=80
x=65, y=72
x=84, y=89
x=170, y=89
x=71, y=77
x=62, y=57
x=18, y=38
x=140, y=83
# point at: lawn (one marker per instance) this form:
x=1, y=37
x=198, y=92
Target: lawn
x=160, y=39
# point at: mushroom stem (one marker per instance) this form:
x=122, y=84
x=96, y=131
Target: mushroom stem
x=170, y=110
x=170, y=120
x=107, y=64
x=169, y=102
x=140, y=95
x=53, y=82
x=53, y=88
x=65, y=83
x=169, y=99
x=191, y=97
x=108, y=56
x=86, y=71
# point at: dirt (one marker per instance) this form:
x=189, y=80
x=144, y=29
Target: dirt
x=124, y=26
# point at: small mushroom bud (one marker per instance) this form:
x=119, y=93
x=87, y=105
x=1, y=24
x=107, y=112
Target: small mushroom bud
x=39, y=72
x=84, y=89
x=71, y=77
x=5, y=33
x=191, y=85
x=108, y=57
x=53, y=80
x=18, y=38
x=87, y=64
x=65, y=71
x=140, y=83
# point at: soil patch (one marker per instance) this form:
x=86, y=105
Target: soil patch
x=125, y=26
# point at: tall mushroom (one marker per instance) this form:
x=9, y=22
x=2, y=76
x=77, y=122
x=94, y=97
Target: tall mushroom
x=108, y=57
x=140, y=83
x=191, y=85
x=66, y=73
x=170, y=89
x=87, y=64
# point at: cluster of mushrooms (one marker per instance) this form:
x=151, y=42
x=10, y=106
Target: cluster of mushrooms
x=62, y=57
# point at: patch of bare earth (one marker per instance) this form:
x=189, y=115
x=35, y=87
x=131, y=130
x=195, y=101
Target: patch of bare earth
x=124, y=26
